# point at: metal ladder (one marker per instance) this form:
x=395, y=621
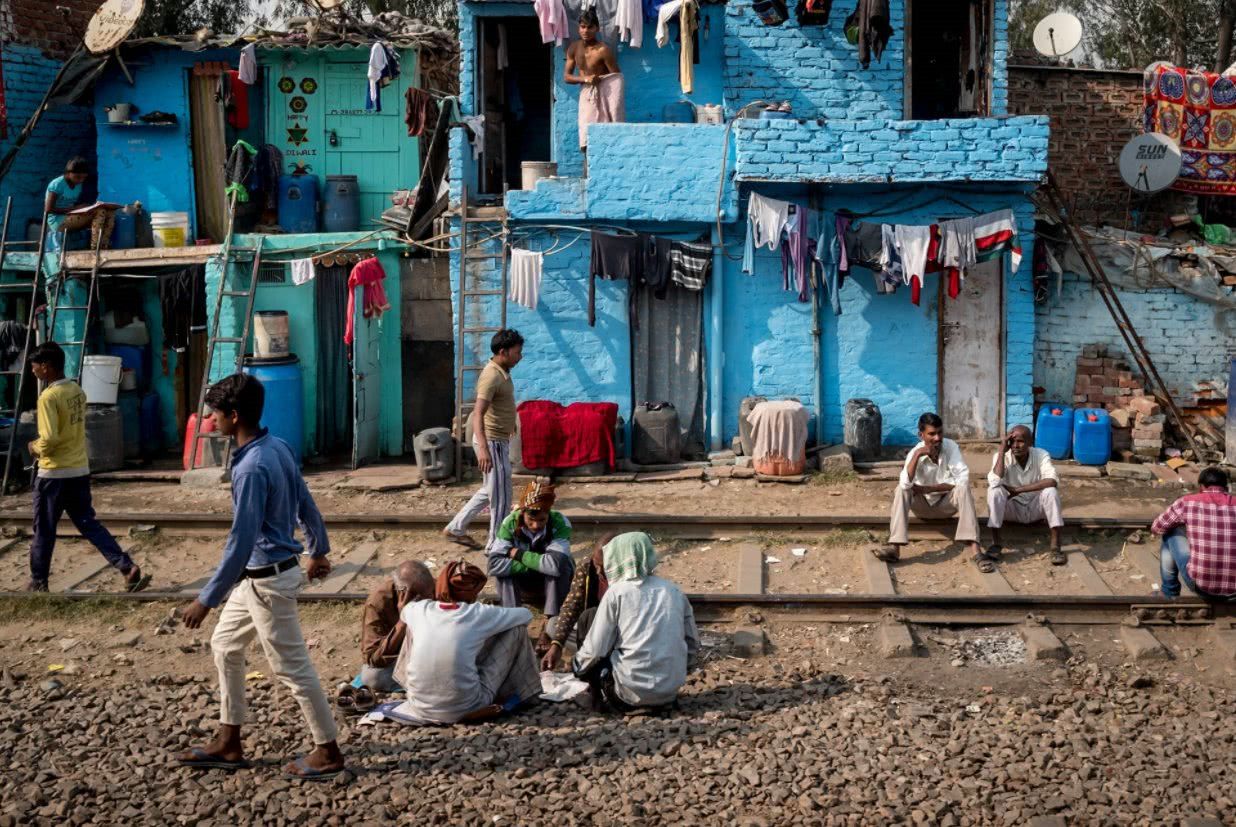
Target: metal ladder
x=468, y=225
x=221, y=295
x=87, y=309
x=15, y=411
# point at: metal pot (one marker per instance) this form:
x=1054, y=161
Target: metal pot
x=119, y=112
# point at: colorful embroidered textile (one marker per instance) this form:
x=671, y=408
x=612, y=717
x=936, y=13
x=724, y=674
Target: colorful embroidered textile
x=1198, y=111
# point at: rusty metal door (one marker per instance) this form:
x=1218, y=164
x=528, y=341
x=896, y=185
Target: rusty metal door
x=972, y=355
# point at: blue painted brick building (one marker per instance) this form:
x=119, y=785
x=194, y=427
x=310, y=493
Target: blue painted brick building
x=892, y=141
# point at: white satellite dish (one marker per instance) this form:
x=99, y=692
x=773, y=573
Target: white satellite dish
x=112, y=24
x=1150, y=163
x=1057, y=34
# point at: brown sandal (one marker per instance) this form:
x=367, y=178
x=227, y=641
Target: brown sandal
x=887, y=553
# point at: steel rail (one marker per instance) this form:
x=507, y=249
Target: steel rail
x=685, y=525
x=963, y=610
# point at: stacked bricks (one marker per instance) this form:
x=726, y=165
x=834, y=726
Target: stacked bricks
x=892, y=151
x=1105, y=380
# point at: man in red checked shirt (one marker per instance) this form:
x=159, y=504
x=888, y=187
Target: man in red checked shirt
x=1199, y=540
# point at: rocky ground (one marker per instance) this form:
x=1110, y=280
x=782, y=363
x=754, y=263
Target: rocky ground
x=816, y=733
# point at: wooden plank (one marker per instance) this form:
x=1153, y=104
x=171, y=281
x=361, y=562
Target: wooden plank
x=1146, y=559
x=345, y=572
x=879, y=578
x=750, y=577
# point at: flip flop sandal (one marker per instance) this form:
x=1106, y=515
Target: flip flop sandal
x=364, y=701
x=462, y=540
x=137, y=585
x=301, y=769
x=1059, y=558
x=887, y=554
x=346, y=700
x=994, y=551
x=203, y=760
x=985, y=564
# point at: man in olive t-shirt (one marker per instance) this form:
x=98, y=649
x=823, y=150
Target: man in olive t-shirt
x=493, y=423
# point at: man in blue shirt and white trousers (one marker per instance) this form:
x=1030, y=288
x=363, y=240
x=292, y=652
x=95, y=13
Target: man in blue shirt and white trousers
x=261, y=568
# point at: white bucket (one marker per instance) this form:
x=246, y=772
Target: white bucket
x=171, y=229
x=533, y=171
x=101, y=379
x=270, y=333
x=709, y=113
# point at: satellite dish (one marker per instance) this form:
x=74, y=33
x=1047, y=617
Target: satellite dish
x=112, y=24
x=1057, y=34
x=1150, y=163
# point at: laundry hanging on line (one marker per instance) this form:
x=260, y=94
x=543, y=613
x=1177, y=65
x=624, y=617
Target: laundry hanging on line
x=303, y=271
x=248, y=65
x=647, y=261
x=369, y=275
x=383, y=68
x=525, y=277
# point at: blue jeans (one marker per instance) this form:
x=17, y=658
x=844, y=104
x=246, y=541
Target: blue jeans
x=52, y=498
x=1174, y=563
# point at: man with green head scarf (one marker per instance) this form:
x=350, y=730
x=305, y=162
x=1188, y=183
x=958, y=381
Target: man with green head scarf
x=643, y=637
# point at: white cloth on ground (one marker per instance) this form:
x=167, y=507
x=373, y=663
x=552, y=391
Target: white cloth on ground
x=913, y=242
x=439, y=660
x=779, y=429
x=248, y=65
x=647, y=630
x=950, y=470
x=630, y=22
x=303, y=271
x=667, y=12
x=525, y=275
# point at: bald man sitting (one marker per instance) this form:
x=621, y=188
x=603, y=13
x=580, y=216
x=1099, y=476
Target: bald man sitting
x=382, y=630
x=1023, y=487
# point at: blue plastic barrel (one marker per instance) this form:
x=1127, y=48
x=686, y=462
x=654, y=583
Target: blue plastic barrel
x=1053, y=431
x=129, y=405
x=151, y=424
x=284, y=413
x=124, y=232
x=1092, y=436
x=298, y=203
x=132, y=357
x=341, y=204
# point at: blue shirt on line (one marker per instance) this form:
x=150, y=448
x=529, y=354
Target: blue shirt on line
x=269, y=499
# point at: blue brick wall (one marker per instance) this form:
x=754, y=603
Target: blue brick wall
x=988, y=149
x=1189, y=339
x=63, y=132
x=553, y=198
x=666, y=172
x=814, y=67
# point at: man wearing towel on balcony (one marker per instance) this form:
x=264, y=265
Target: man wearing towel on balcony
x=594, y=65
x=935, y=484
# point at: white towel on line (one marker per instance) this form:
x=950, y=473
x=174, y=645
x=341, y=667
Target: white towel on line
x=525, y=277
x=248, y=65
x=303, y=271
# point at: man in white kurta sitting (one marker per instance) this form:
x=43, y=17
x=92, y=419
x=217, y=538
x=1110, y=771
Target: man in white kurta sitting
x=935, y=484
x=1023, y=487
x=465, y=662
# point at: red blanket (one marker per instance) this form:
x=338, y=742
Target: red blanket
x=556, y=437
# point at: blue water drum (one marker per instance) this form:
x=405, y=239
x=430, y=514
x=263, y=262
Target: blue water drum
x=1053, y=431
x=1092, y=436
x=284, y=413
x=341, y=204
x=678, y=112
x=129, y=405
x=298, y=203
x=124, y=231
x=151, y=423
x=132, y=358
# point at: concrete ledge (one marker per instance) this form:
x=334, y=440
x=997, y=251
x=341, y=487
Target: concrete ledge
x=1142, y=645
x=1042, y=643
x=896, y=640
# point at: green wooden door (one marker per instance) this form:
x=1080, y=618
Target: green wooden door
x=373, y=146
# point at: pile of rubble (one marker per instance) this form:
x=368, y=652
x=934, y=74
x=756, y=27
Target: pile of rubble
x=1106, y=380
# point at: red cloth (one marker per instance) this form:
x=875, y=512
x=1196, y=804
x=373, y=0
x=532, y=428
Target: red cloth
x=1209, y=519
x=238, y=106
x=369, y=275
x=556, y=437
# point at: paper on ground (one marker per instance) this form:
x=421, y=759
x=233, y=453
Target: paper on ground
x=558, y=687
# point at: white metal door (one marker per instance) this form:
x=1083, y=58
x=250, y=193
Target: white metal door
x=971, y=355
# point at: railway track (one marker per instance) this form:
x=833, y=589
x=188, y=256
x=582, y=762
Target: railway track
x=685, y=526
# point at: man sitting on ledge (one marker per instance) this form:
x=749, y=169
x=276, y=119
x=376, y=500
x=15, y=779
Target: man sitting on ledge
x=1023, y=487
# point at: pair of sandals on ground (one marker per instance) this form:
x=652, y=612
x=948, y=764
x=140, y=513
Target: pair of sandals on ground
x=985, y=560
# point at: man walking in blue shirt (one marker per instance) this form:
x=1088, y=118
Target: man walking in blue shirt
x=260, y=565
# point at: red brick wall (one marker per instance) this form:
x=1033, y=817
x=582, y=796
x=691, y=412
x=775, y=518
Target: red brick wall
x=37, y=23
x=1093, y=115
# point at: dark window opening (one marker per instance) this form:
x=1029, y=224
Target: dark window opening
x=516, y=97
x=949, y=55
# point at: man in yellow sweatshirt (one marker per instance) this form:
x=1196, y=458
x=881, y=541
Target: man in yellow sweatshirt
x=63, y=483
